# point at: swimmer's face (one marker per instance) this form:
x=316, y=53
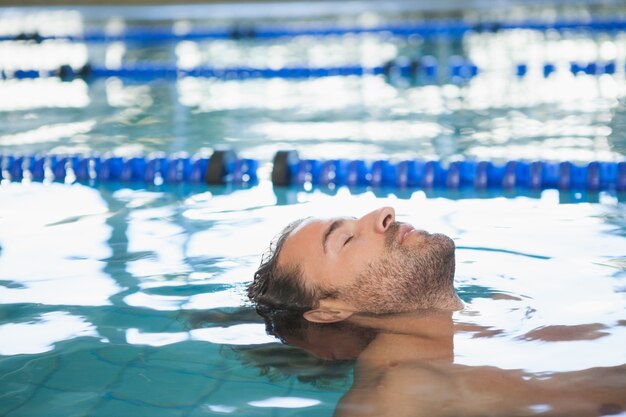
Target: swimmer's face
x=372, y=264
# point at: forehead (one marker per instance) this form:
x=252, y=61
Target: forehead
x=303, y=243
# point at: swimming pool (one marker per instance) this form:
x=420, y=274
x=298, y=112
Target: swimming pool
x=122, y=298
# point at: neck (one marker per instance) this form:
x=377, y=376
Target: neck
x=430, y=323
x=425, y=335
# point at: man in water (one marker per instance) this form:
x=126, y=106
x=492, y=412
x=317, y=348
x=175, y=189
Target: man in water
x=381, y=293
x=330, y=269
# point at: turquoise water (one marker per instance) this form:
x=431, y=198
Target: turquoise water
x=495, y=116
x=121, y=299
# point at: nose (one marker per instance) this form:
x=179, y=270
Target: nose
x=383, y=217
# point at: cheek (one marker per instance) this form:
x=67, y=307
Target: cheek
x=343, y=272
x=357, y=261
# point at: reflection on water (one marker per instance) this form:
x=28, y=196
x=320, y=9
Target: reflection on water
x=495, y=115
x=147, y=290
x=239, y=334
x=39, y=336
x=529, y=118
x=42, y=235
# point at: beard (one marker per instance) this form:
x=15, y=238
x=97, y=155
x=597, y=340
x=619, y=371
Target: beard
x=416, y=275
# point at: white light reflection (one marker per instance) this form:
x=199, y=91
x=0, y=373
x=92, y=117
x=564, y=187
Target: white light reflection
x=578, y=131
x=48, y=55
x=136, y=337
x=204, y=301
x=308, y=51
x=43, y=93
x=152, y=231
x=34, y=218
x=540, y=408
x=514, y=225
x=114, y=55
x=545, y=151
x=230, y=242
x=219, y=408
x=41, y=335
x=188, y=54
x=137, y=198
x=119, y=95
x=539, y=356
x=154, y=302
x=14, y=21
x=239, y=334
x=211, y=300
x=236, y=234
x=378, y=131
x=206, y=206
x=300, y=97
x=48, y=133
x=285, y=402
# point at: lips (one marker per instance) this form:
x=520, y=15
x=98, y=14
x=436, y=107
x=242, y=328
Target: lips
x=404, y=231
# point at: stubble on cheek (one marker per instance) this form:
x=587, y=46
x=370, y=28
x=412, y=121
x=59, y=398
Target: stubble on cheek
x=404, y=278
x=391, y=237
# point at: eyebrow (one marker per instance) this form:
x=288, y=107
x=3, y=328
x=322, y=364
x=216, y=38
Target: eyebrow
x=333, y=226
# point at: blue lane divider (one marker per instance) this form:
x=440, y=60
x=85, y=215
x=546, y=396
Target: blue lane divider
x=426, y=29
x=290, y=170
x=222, y=167
x=426, y=68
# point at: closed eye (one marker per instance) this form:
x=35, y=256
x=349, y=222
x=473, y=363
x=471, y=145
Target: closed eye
x=347, y=240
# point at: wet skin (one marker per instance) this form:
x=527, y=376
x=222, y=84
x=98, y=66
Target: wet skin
x=409, y=370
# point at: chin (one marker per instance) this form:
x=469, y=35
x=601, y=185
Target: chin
x=456, y=304
x=451, y=303
x=444, y=241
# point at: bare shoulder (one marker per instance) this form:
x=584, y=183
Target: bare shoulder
x=398, y=389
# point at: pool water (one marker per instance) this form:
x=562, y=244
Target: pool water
x=495, y=116
x=129, y=299
x=118, y=300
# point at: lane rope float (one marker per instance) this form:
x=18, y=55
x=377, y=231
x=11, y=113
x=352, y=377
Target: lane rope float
x=449, y=28
x=426, y=68
x=225, y=167
x=222, y=167
x=289, y=169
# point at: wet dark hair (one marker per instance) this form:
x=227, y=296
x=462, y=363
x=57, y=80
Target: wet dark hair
x=283, y=287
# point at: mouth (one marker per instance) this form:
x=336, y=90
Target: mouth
x=404, y=231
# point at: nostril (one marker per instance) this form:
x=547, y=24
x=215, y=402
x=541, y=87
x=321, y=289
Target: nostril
x=387, y=220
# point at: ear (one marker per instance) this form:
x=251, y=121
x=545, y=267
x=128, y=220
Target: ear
x=328, y=311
